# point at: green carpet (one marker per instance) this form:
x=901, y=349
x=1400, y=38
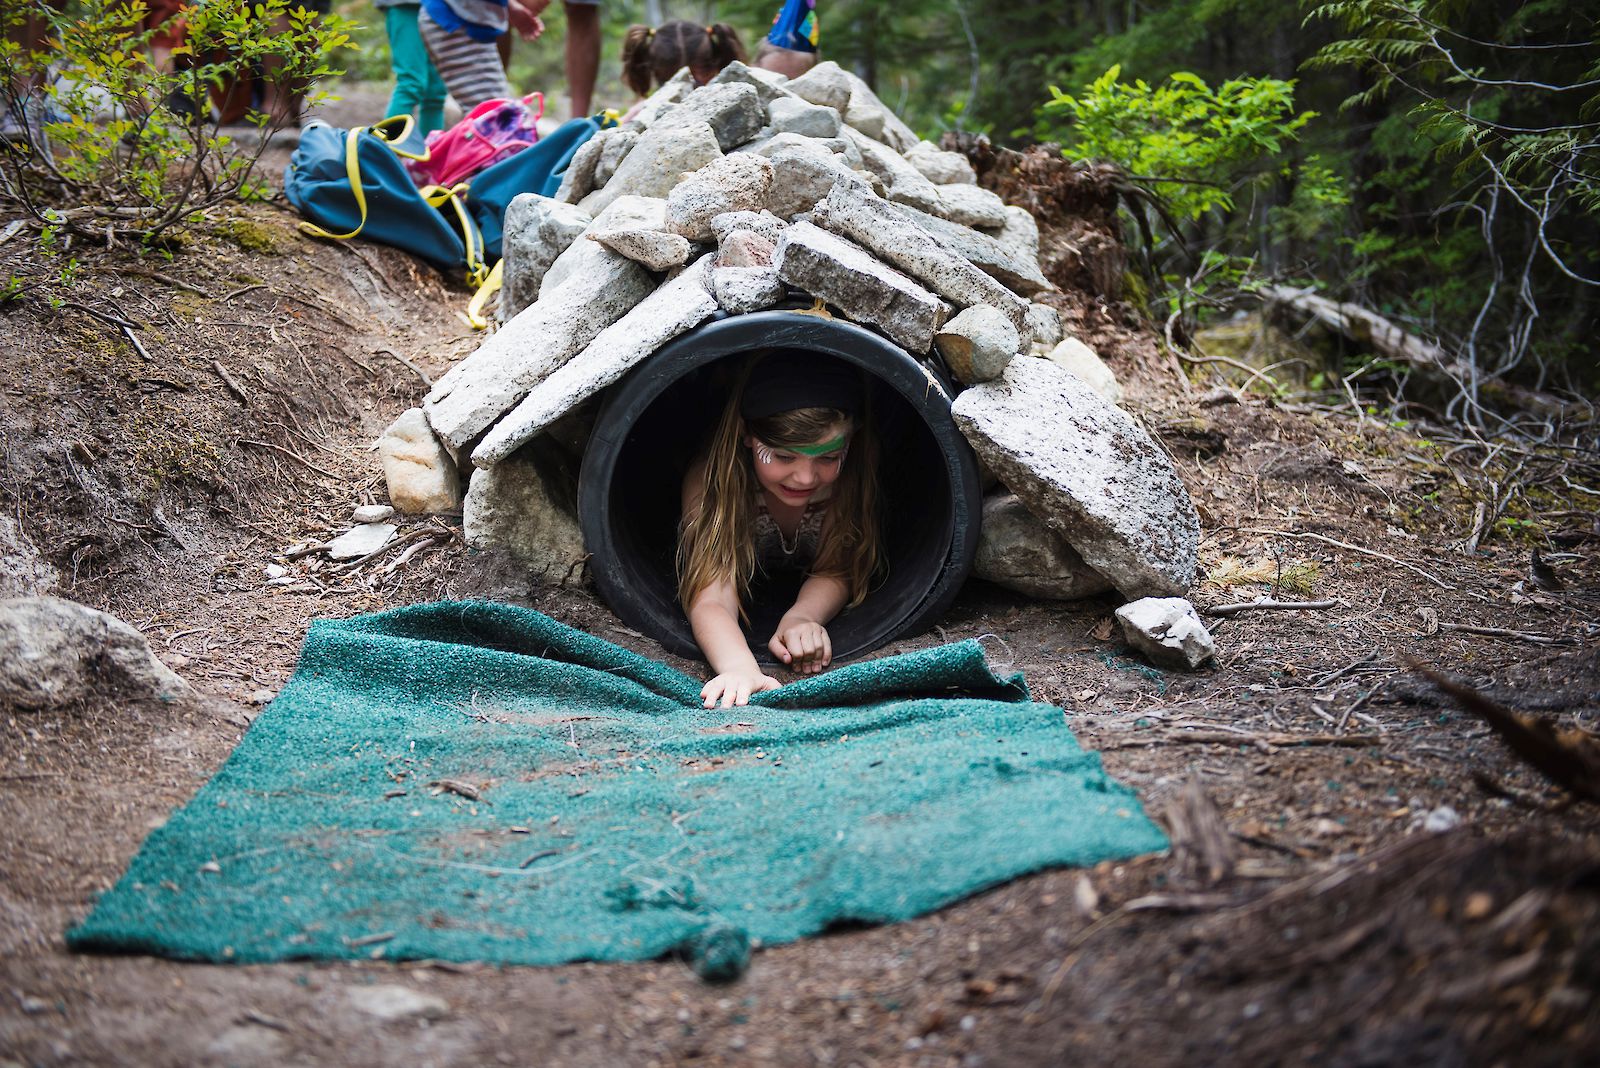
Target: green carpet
x=616, y=818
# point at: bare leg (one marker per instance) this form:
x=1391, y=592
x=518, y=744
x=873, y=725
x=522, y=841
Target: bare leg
x=583, y=55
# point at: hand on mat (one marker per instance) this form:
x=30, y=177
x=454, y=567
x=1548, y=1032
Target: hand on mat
x=735, y=687
x=802, y=645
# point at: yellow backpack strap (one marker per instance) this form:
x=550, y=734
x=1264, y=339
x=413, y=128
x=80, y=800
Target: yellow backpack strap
x=352, y=167
x=440, y=196
x=390, y=131
x=474, y=314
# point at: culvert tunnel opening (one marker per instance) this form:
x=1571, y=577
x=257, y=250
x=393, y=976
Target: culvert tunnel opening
x=660, y=417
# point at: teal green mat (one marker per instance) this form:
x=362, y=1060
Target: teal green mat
x=616, y=819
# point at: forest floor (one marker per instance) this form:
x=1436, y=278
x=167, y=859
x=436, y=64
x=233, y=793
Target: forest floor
x=1401, y=889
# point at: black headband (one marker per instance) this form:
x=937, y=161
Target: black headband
x=785, y=380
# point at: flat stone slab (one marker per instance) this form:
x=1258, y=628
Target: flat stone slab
x=1005, y=263
x=866, y=289
x=1089, y=472
x=675, y=308
x=854, y=211
x=538, y=229
x=655, y=249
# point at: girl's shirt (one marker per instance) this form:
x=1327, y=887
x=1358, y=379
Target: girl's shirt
x=776, y=551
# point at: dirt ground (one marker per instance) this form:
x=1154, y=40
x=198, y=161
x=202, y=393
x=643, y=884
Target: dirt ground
x=1362, y=873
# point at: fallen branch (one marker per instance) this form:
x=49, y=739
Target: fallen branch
x=233, y=387
x=1265, y=602
x=1439, y=582
x=430, y=533
x=1499, y=632
x=419, y=372
x=1267, y=743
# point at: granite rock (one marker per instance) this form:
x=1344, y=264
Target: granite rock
x=1089, y=471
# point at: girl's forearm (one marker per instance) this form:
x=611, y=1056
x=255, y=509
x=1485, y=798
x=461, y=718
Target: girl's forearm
x=820, y=599
x=717, y=632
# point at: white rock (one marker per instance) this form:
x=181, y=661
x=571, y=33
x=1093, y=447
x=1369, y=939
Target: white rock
x=360, y=540
x=971, y=205
x=733, y=111
x=1081, y=360
x=733, y=183
x=978, y=344
x=1020, y=235
x=655, y=249
x=371, y=513
x=797, y=116
x=54, y=652
x=1004, y=263
x=905, y=183
x=769, y=85
x=24, y=572
x=537, y=230
x=390, y=1003
x=614, y=148
x=864, y=288
x=1167, y=630
x=588, y=288
x=1089, y=471
x=826, y=84
x=675, y=308
x=764, y=223
x=671, y=93
x=1044, y=325
x=514, y=506
x=802, y=176
x=745, y=248
x=657, y=163
x=855, y=212
x=885, y=124
x=1444, y=818
x=274, y=571
x=739, y=290
x=419, y=472
x=941, y=167
x=1016, y=550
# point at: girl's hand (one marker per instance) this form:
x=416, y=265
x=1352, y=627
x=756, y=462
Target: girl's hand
x=803, y=645
x=735, y=687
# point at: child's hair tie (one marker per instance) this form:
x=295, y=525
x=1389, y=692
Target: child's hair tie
x=711, y=33
x=650, y=35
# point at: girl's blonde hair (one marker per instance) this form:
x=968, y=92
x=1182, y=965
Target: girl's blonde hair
x=718, y=543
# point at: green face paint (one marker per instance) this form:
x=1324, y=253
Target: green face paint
x=819, y=450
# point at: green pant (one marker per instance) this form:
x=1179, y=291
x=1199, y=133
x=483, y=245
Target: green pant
x=417, y=86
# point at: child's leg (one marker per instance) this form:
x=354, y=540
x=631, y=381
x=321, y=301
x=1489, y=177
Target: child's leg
x=470, y=69
x=405, y=51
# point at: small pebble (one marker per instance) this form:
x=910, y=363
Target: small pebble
x=372, y=513
x=261, y=697
x=1443, y=818
x=275, y=571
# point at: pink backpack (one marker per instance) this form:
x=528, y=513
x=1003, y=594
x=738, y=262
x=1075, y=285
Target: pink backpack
x=494, y=130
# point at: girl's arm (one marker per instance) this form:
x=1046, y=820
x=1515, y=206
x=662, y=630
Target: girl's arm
x=714, y=619
x=801, y=640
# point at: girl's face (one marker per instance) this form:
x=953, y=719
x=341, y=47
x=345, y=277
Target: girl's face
x=793, y=475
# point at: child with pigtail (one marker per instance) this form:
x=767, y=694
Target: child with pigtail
x=651, y=56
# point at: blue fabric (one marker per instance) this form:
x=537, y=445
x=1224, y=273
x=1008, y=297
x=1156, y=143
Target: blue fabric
x=446, y=15
x=795, y=26
x=317, y=183
x=533, y=170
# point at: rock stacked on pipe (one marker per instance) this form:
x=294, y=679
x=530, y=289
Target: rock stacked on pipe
x=730, y=196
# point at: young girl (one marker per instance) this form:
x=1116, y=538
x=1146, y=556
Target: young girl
x=650, y=57
x=788, y=484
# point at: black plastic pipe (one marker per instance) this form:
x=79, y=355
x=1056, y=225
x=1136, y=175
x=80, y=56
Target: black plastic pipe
x=654, y=421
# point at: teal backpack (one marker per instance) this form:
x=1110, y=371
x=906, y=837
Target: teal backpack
x=354, y=183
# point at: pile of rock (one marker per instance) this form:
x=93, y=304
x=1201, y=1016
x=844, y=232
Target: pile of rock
x=733, y=195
